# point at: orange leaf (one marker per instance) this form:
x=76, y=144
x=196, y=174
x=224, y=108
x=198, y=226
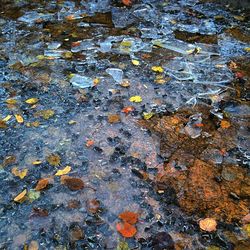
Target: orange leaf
x=42, y=184
x=208, y=224
x=225, y=124
x=128, y=109
x=125, y=229
x=199, y=125
x=89, y=143
x=127, y=2
x=72, y=183
x=129, y=217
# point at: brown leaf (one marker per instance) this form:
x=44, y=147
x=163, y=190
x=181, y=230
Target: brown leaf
x=208, y=224
x=129, y=217
x=72, y=183
x=125, y=229
x=3, y=124
x=42, y=184
x=93, y=206
x=114, y=118
x=39, y=212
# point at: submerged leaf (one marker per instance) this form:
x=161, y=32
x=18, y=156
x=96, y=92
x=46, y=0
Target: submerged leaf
x=3, y=124
x=54, y=159
x=66, y=170
x=33, y=195
x=123, y=245
x=135, y=98
x=45, y=114
x=37, y=162
x=11, y=101
x=42, y=184
x=135, y=62
x=89, y=143
x=128, y=109
x=208, y=224
x=225, y=124
x=21, y=197
x=19, y=173
x=129, y=217
x=72, y=183
x=7, y=118
x=126, y=230
x=147, y=116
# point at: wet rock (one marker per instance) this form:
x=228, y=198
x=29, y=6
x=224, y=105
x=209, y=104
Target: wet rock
x=162, y=240
x=76, y=233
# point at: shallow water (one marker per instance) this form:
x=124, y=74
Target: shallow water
x=187, y=61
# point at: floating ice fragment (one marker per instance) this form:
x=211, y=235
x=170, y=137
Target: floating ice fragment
x=117, y=74
x=81, y=81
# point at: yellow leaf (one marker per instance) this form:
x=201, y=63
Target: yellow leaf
x=21, y=197
x=7, y=118
x=158, y=69
x=54, y=159
x=246, y=229
x=135, y=98
x=208, y=224
x=32, y=100
x=135, y=62
x=19, y=173
x=40, y=57
x=194, y=51
x=37, y=162
x=71, y=122
x=11, y=101
x=19, y=118
x=66, y=170
x=247, y=49
x=147, y=116
x=45, y=114
x=96, y=81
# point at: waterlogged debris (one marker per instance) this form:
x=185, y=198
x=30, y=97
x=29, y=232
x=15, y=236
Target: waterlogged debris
x=54, y=160
x=19, y=173
x=117, y=74
x=194, y=126
x=32, y=101
x=21, y=197
x=45, y=114
x=126, y=230
x=81, y=81
x=208, y=224
x=129, y=217
x=64, y=171
x=135, y=98
x=42, y=184
x=72, y=183
x=33, y=195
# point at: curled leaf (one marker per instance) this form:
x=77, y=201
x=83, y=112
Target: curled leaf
x=66, y=170
x=125, y=229
x=19, y=173
x=129, y=217
x=42, y=184
x=21, y=197
x=208, y=224
x=72, y=183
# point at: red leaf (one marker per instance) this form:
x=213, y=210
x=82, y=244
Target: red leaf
x=126, y=230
